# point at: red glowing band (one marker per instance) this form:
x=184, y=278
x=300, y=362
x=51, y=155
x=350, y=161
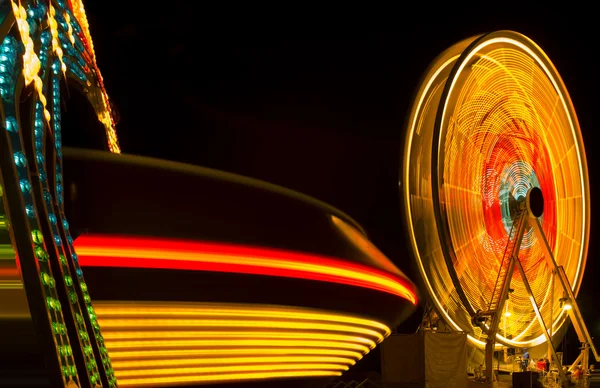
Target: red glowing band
x=136, y=252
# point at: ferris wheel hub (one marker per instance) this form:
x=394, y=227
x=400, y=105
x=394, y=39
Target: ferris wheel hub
x=535, y=202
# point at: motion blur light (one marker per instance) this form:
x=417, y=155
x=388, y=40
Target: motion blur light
x=565, y=303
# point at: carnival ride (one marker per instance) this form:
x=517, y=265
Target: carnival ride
x=206, y=277
x=496, y=195
x=263, y=282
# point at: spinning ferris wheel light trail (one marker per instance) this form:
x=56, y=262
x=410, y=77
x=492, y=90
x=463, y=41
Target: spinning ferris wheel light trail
x=491, y=126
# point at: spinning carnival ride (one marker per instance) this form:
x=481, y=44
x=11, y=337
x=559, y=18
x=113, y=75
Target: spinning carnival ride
x=208, y=277
x=496, y=194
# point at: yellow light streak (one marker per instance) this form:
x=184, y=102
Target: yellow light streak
x=228, y=369
x=120, y=335
x=225, y=377
x=167, y=343
x=205, y=353
x=180, y=362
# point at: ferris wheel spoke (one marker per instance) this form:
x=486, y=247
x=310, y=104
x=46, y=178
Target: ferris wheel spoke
x=564, y=157
x=570, y=198
x=462, y=189
x=571, y=239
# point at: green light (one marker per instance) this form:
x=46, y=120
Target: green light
x=37, y=236
x=83, y=335
x=47, y=280
x=51, y=303
x=41, y=254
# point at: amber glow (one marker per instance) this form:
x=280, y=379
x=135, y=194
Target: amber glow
x=81, y=17
x=55, y=43
x=181, y=362
x=167, y=343
x=137, y=252
x=253, y=334
x=31, y=62
x=507, y=124
x=225, y=377
x=69, y=28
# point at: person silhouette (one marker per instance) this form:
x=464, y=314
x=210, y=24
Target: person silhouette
x=525, y=360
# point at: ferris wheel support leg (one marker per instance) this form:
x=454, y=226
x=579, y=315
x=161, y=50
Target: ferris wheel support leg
x=574, y=313
x=540, y=319
x=490, y=342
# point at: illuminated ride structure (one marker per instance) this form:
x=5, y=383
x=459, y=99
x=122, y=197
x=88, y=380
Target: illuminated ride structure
x=206, y=277
x=262, y=281
x=496, y=195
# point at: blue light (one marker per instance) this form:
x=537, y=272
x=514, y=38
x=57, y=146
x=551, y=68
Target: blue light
x=32, y=26
x=56, y=67
x=30, y=211
x=38, y=124
x=11, y=124
x=25, y=186
x=46, y=38
x=38, y=132
x=20, y=159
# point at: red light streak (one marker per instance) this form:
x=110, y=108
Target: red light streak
x=144, y=252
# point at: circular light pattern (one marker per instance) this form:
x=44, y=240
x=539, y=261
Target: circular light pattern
x=491, y=120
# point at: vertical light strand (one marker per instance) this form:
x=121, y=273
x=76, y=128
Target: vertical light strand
x=75, y=308
x=11, y=66
x=69, y=249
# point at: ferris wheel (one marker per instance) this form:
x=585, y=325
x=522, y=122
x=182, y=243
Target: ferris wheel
x=496, y=192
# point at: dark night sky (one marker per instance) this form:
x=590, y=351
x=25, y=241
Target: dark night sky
x=313, y=103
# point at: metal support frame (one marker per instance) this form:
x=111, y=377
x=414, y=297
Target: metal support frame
x=574, y=313
x=496, y=314
x=524, y=218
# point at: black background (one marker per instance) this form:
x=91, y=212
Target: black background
x=313, y=99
